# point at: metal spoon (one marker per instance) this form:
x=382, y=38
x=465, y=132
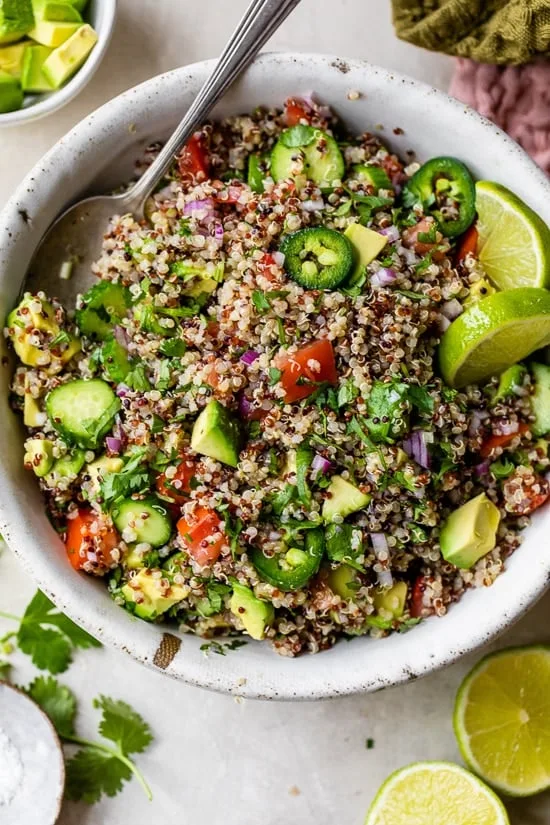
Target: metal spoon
x=78, y=232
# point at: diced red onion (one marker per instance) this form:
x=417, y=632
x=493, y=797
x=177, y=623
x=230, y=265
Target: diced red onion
x=249, y=357
x=383, y=277
x=385, y=578
x=452, y=309
x=122, y=390
x=206, y=205
x=416, y=446
x=321, y=109
x=391, y=233
x=320, y=464
x=444, y=323
x=475, y=423
x=379, y=543
x=121, y=336
x=245, y=406
x=218, y=232
x=279, y=258
x=482, y=469
x=313, y=205
x=114, y=445
x=509, y=429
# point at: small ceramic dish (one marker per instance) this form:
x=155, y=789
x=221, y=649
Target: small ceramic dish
x=101, y=15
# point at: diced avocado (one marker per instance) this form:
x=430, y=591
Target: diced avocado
x=31, y=314
x=540, y=400
x=198, y=280
x=67, y=467
x=342, y=581
x=52, y=34
x=510, y=382
x=32, y=77
x=32, y=414
x=16, y=18
x=56, y=11
x=470, y=532
x=11, y=58
x=70, y=56
x=11, y=94
x=38, y=456
x=367, y=244
x=255, y=614
x=151, y=595
x=481, y=289
x=374, y=176
x=343, y=499
x=98, y=469
x=392, y=600
x=216, y=434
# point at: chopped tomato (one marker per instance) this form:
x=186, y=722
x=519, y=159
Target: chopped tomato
x=193, y=160
x=179, y=486
x=426, y=226
x=417, y=608
x=90, y=542
x=495, y=441
x=302, y=372
x=202, y=535
x=467, y=245
x=297, y=111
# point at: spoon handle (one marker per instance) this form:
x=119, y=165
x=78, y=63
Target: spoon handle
x=260, y=21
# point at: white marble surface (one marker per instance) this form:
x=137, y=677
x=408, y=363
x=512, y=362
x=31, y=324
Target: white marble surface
x=214, y=759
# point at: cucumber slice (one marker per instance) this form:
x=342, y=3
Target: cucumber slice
x=149, y=519
x=317, y=257
x=540, y=400
x=304, y=150
x=103, y=305
x=82, y=411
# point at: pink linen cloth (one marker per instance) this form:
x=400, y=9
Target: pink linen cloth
x=516, y=98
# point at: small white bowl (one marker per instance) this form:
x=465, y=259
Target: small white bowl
x=100, y=14
x=99, y=154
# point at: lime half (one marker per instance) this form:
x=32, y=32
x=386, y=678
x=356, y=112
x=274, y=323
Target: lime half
x=429, y=793
x=502, y=720
x=514, y=243
x=493, y=334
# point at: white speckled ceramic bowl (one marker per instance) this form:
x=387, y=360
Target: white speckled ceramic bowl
x=101, y=14
x=98, y=153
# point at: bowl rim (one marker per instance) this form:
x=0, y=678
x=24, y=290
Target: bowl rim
x=55, y=100
x=217, y=677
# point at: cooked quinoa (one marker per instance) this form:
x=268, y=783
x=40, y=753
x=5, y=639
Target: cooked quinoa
x=213, y=314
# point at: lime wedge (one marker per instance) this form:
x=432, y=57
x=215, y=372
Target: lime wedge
x=502, y=720
x=493, y=334
x=514, y=243
x=429, y=793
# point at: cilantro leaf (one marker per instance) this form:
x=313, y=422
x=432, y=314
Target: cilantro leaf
x=133, y=478
x=430, y=236
x=123, y=726
x=347, y=393
x=420, y=397
x=274, y=375
x=48, y=636
x=261, y=301
x=92, y=773
x=387, y=408
x=57, y=702
x=137, y=379
x=298, y=136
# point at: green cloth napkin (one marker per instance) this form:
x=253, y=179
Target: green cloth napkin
x=489, y=31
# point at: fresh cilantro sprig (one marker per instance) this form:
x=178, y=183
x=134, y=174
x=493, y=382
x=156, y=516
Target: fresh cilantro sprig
x=48, y=636
x=97, y=768
x=133, y=478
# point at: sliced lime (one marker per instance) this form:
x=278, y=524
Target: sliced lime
x=435, y=793
x=493, y=334
x=514, y=243
x=502, y=720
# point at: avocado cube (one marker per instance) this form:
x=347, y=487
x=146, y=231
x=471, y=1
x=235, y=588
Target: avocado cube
x=70, y=56
x=11, y=94
x=38, y=456
x=256, y=616
x=367, y=245
x=216, y=434
x=16, y=19
x=11, y=58
x=52, y=34
x=540, y=400
x=32, y=414
x=67, y=467
x=392, y=600
x=342, y=581
x=56, y=11
x=343, y=499
x=150, y=596
x=98, y=469
x=32, y=78
x=470, y=532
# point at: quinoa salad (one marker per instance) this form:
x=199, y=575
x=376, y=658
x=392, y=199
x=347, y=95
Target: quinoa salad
x=257, y=421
